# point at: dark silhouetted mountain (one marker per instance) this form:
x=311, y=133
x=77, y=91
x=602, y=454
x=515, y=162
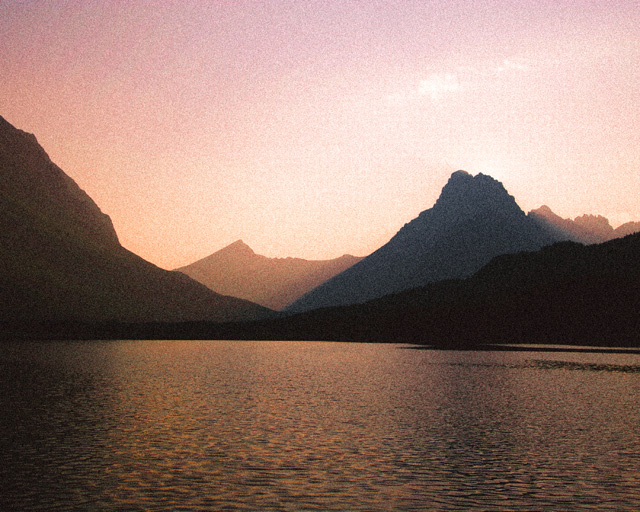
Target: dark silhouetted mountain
x=60, y=258
x=473, y=220
x=586, y=229
x=29, y=179
x=272, y=282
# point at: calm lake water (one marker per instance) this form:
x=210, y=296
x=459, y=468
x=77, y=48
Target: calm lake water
x=217, y=425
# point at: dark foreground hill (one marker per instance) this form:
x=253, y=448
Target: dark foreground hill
x=563, y=294
x=473, y=220
x=275, y=283
x=60, y=259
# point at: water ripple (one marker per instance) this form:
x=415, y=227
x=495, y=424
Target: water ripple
x=304, y=426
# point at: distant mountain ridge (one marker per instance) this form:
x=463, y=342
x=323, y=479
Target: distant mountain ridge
x=586, y=229
x=238, y=271
x=60, y=258
x=473, y=220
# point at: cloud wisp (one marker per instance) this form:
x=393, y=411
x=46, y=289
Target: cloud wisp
x=438, y=86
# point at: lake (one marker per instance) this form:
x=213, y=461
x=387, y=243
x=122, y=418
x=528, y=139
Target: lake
x=230, y=425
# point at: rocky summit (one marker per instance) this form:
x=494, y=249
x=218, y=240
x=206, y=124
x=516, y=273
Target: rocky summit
x=473, y=220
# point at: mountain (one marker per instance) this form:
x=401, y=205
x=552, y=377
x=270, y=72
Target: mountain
x=272, y=282
x=60, y=258
x=628, y=228
x=566, y=293
x=587, y=229
x=473, y=220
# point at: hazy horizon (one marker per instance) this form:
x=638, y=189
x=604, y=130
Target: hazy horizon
x=317, y=129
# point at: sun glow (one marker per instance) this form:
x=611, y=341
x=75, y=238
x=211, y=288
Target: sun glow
x=490, y=160
x=318, y=129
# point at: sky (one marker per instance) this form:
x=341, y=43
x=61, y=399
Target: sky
x=317, y=128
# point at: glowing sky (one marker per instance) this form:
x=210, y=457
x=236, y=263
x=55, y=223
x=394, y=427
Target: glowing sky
x=318, y=128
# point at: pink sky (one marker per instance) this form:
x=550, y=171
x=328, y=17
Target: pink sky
x=314, y=129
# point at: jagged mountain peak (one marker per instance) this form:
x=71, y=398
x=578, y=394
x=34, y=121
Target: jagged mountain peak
x=463, y=199
x=594, y=222
x=469, y=195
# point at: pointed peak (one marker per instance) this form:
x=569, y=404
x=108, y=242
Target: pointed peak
x=238, y=247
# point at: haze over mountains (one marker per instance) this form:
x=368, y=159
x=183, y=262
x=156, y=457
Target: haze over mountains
x=473, y=220
x=60, y=258
x=586, y=229
x=238, y=271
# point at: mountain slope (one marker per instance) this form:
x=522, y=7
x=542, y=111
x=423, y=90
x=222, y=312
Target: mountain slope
x=272, y=282
x=473, y=220
x=628, y=228
x=60, y=258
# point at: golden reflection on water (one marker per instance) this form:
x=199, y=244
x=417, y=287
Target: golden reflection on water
x=318, y=426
